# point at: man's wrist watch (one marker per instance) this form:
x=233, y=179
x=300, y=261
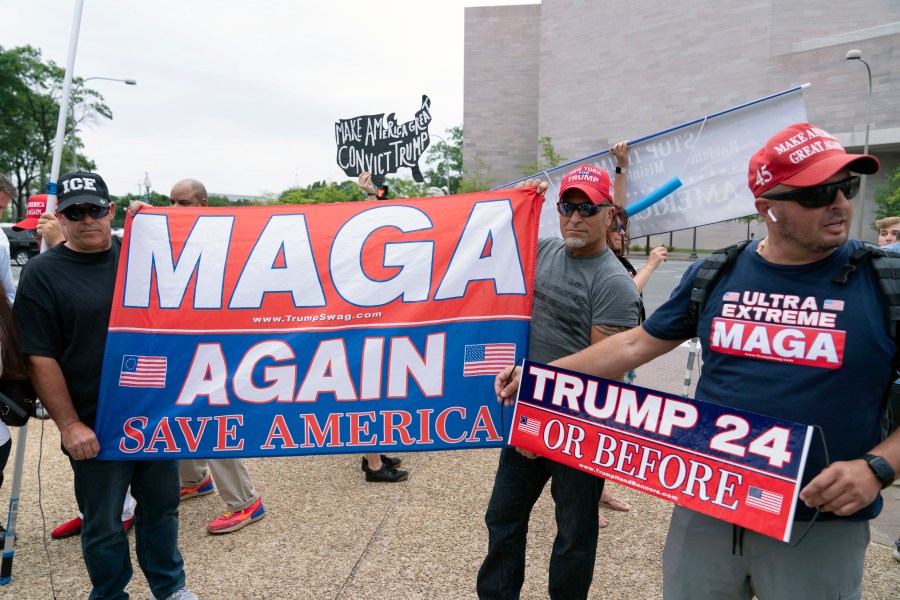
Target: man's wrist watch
x=882, y=469
x=618, y=169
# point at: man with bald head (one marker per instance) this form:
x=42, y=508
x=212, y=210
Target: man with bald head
x=200, y=477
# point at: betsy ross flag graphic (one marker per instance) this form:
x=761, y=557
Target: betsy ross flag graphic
x=529, y=426
x=764, y=500
x=487, y=359
x=143, y=371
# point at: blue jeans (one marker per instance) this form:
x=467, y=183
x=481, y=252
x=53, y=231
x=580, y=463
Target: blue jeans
x=100, y=490
x=517, y=487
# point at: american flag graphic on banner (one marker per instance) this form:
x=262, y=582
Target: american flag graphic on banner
x=764, y=499
x=143, y=371
x=529, y=426
x=487, y=359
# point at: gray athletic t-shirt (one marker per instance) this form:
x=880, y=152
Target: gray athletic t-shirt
x=572, y=293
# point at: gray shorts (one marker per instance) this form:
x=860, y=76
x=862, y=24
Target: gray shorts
x=698, y=561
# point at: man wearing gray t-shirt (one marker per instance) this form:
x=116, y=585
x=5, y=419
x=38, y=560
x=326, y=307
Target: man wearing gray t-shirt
x=582, y=294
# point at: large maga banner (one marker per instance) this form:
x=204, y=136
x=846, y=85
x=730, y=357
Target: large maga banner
x=263, y=331
x=731, y=464
x=710, y=155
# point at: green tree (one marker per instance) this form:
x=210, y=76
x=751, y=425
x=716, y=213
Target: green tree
x=442, y=155
x=321, y=192
x=548, y=158
x=401, y=187
x=887, y=198
x=478, y=178
x=30, y=96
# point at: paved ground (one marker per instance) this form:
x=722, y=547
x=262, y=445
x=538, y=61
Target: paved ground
x=329, y=535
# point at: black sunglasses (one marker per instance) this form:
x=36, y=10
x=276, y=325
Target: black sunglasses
x=585, y=209
x=818, y=196
x=73, y=213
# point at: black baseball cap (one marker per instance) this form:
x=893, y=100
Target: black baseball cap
x=81, y=187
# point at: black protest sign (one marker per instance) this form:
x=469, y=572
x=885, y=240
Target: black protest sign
x=382, y=146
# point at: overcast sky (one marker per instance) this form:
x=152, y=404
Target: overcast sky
x=244, y=95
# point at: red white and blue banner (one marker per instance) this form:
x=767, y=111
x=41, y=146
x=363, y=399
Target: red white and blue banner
x=317, y=329
x=731, y=464
x=710, y=155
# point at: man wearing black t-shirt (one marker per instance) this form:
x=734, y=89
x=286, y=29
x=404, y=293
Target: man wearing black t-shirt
x=62, y=309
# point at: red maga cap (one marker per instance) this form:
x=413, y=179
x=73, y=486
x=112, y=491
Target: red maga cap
x=37, y=205
x=803, y=155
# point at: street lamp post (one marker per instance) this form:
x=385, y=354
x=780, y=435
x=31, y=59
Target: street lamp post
x=147, y=186
x=857, y=55
x=72, y=114
x=446, y=159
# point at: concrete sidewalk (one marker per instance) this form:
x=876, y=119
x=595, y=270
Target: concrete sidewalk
x=330, y=535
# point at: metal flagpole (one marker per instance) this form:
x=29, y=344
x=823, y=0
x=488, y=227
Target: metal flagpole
x=9, y=545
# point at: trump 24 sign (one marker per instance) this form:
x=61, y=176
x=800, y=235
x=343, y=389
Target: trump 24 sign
x=731, y=464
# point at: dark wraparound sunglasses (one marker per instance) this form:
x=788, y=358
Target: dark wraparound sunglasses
x=818, y=196
x=586, y=209
x=74, y=213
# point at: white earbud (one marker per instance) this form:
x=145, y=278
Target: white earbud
x=772, y=216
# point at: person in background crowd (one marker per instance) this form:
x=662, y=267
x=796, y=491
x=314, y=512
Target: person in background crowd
x=13, y=367
x=200, y=477
x=379, y=467
x=617, y=239
x=8, y=193
x=888, y=230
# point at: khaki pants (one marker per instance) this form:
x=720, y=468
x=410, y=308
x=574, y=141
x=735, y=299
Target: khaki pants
x=230, y=476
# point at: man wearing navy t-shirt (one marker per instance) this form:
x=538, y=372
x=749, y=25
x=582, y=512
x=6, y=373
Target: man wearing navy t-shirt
x=782, y=339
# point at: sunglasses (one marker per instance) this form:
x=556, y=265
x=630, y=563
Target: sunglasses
x=818, y=196
x=586, y=209
x=73, y=213
x=615, y=228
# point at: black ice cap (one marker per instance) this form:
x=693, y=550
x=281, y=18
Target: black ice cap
x=81, y=187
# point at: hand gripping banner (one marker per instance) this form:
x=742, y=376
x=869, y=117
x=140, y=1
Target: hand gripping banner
x=731, y=464
x=316, y=329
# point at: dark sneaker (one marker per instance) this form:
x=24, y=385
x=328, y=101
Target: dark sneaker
x=386, y=474
x=385, y=460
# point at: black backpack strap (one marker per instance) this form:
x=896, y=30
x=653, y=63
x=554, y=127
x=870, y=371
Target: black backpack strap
x=712, y=269
x=886, y=266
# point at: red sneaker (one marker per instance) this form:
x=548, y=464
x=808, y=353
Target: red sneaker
x=232, y=521
x=67, y=529
x=203, y=488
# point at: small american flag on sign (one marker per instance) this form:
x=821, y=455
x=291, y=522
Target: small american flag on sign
x=487, y=359
x=529, y=426
x=764, y=499
x=143, y=371
x=731, y=297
